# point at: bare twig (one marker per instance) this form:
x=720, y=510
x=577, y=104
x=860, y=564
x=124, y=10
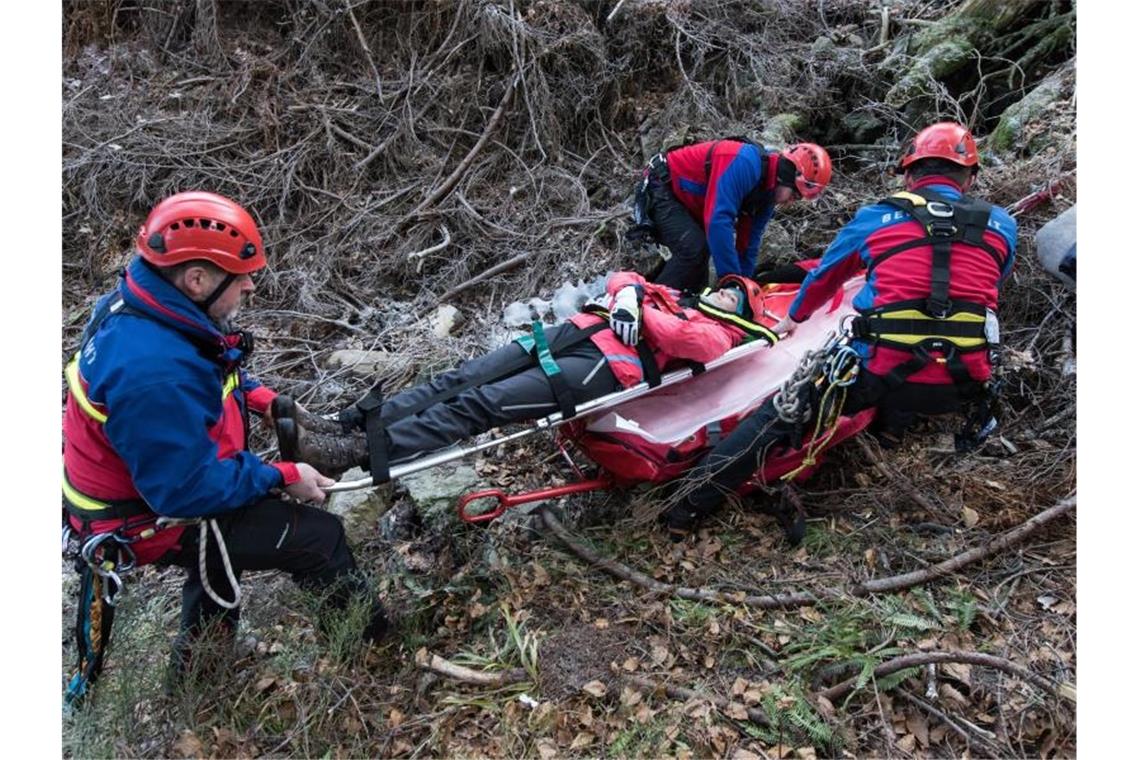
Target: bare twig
x=437, y=247
x=677, y=692
x=433, y=662
x=453, y=179
x=896, y=479
x=922, y=658
x=1004, y=541
x=505, y=266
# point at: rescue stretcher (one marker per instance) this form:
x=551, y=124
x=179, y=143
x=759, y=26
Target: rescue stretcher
x=644, y=434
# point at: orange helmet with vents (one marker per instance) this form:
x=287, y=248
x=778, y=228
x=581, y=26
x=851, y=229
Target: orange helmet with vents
x=813, y=168
x=946, y=140
x=202, y=226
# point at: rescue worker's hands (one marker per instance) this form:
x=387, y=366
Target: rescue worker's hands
x=308, y=488
x=785, y=326
x=625, y=315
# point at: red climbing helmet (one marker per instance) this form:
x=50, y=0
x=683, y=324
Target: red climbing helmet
x=199, y=225
x=946, y=139
x=813, y=168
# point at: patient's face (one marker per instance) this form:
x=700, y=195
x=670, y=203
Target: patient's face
x=724, y=299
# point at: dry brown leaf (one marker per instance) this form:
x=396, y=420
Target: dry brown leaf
x=709, y=662
x=395, y=718
x=743, y=754
x=659, y=655
x=265, y=684
x=826, y=708
x=753, y=696
x=918, y=726
x=739, y=686
x=631, y=664
x=595, y=689
x=188, y=745
x=949, y=693
x=805, y=753
x=630, y=697
x=959, y=671
x=547, y=749
x=970, y=517
x=736, y=711
x=643, y=714
x=583, y=739
x=907, y=743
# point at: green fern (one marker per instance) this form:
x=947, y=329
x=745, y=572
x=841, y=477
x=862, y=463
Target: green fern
x=912, y=621
x=892, y=681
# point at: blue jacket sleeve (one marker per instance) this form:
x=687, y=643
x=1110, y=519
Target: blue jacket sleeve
x=842, y=259
x=159, y=428
x=728, y=191
x=1006, y=226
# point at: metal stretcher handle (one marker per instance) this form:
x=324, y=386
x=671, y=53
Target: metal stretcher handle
x=506, y=500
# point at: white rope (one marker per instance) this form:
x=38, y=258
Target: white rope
x=203, y=536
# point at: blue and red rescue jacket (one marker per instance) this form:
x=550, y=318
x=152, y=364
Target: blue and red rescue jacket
x=714, y=186
x=156, y=413
x=975, y=276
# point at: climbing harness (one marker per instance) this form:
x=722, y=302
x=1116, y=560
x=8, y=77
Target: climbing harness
x=938, y=323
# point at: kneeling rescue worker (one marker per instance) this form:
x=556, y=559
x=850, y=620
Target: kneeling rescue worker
x=155, y=431
x=715, y=198
x=642, y=330
x=927, y=325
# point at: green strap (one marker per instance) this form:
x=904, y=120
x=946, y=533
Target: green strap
x=542, y=351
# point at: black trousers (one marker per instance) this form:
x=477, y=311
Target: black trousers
x=688, y=268
x=733, y=461
x=271, y=534
x=518, y=397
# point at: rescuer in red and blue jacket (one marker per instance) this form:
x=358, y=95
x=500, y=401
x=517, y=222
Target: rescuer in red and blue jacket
x=156, y=421
x=715, y=199
x=927, y=326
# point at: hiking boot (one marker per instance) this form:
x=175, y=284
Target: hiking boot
x=285, y=407
x=331, y=455
x=679, y=520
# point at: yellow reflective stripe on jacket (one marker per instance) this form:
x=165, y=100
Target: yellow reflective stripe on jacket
x=79, y=501
x=959, y=316
x=232, y=382
x=75, y=385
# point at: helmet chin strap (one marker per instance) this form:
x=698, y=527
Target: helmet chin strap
x=217, y=292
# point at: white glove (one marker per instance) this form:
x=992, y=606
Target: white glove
x=785, y=326
x=625, y=315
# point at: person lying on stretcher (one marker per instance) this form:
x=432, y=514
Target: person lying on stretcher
x=639, y=330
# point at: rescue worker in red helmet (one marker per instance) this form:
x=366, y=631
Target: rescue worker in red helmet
x=155, y=425
x=644, y=330
x=715, y=199
x=927, y=330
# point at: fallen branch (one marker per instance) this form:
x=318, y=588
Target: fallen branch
x=807, y=599
x=509, y=264
x=676, y=692
x=425, y=660
x=925, y=658
x=435, y=664
x=1005, y=540
x=449, y=184
x=693, y=594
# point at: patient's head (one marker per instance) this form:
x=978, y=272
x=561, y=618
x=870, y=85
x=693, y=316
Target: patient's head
x=730, y=299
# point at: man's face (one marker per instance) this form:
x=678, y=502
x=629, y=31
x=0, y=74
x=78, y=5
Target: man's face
x=786, y=195
x=724, y=299
x=229, y=303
